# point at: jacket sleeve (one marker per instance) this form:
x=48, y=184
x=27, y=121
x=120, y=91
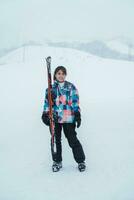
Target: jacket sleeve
x=75, y=100
x=46, y=104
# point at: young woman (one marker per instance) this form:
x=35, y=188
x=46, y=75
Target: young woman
x=67, y=116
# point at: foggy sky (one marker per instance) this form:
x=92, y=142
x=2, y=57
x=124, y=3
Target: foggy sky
x=24, y=20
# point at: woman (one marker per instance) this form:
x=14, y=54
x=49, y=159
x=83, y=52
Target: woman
x=67, y=115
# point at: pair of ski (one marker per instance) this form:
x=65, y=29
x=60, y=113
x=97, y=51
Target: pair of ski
x=55, y=166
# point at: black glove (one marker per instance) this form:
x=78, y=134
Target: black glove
x=77, y=118
x=45, y=118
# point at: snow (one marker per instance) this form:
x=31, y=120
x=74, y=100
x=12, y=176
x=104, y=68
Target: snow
x=106, y=89
x=121, y=46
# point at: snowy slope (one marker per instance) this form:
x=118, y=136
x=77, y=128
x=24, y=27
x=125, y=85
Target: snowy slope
x=121, y=47
x=106, y=91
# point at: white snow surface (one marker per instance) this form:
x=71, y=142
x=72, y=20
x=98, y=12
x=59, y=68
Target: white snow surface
x=121, y=47
x=106, y=89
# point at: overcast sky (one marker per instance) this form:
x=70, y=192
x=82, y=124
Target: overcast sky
x=23, y=20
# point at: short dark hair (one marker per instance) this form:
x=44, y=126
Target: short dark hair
x=63, y=69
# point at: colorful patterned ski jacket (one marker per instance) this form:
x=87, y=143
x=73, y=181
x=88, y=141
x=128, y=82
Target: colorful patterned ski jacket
x=65, y=101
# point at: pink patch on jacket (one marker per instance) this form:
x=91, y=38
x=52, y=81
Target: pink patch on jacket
x=63, y=99
x=66, y=114
x=70, y=103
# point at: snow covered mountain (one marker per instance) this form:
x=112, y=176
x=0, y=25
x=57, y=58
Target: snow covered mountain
x=114, y=48
x=119, y=48
x=122, y=45
x=106, y=89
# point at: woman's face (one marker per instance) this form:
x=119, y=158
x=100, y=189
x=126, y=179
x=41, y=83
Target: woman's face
x=60, y=76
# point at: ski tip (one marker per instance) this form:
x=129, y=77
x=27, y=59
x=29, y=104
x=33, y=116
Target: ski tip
x=48, y=59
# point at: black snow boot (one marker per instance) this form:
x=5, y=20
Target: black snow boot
x=56, y=166
x=81, y=166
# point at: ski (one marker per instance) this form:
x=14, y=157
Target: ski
x=51, y=117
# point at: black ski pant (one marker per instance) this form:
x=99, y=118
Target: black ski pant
x=71, y=135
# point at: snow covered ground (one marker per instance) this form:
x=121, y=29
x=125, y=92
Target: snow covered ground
x=120, y=46
x=106, y=89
